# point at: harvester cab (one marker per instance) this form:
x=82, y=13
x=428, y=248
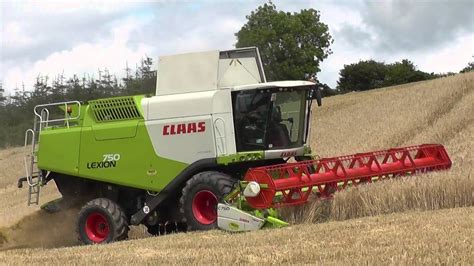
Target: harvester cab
x=208, y=150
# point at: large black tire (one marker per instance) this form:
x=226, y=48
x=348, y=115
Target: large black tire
x=200, y=195
x=101, y=221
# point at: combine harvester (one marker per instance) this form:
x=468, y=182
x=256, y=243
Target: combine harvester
x=209, y=150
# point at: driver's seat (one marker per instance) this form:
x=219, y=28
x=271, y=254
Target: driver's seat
x=279, y=136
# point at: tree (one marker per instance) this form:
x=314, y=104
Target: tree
x=367, y=75
x=291, y=45
x=75, y=91
x=2, y=98
x=17, y=114
x=145, y=68
x=41, y=89
x=469, y=67
x=144, y=81
x=106, y=84
x=364, y=75
x=326, y=91
x=403, y=72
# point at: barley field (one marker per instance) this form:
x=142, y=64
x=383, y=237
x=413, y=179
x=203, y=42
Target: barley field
x=421, y=219
x=437, y=237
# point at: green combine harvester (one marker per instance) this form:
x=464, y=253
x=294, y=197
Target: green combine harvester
x=209, y=150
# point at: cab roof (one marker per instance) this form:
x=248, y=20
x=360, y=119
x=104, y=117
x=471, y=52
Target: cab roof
x=274, y=84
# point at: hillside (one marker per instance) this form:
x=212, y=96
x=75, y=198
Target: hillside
x=436, y=111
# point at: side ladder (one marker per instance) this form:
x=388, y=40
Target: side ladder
x=34, y=176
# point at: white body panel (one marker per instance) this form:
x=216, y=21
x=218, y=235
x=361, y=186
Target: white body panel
x=234, y=72
x=285, y=153
x=191, y=72
x=224, y=134
x=215, y=107
x=230, y=218
x=196, y=88
x=183, y=139
x=178, y=105
x=208, y=71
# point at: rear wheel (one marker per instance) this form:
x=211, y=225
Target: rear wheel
x=102, y=221
x=198, y=203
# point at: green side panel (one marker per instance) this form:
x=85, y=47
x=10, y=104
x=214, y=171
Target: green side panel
x=110, y=145
x=251, y=156
x=241, y=157
x=129, y=161
x=117, y=130
x=59, y=150
x=116, y=109
x=138, y=101
x=307, y=150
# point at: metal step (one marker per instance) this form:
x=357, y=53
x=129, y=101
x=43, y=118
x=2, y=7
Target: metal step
x=33, y=175
x=33, y=194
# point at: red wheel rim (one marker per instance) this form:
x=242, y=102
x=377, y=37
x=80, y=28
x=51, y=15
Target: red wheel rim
x=97, y=227
x=205, y=207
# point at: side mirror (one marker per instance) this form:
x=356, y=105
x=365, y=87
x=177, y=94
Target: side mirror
x=315, y=94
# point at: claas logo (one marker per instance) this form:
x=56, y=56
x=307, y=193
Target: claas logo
x=186, y=128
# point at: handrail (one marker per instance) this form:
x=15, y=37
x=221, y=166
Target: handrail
x=30, y=155
x=66, y=118
x=44, y=113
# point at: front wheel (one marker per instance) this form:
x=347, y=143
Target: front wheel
x=200, y=195
x=101, y=221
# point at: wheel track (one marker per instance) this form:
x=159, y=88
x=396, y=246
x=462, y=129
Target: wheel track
x=445, y=106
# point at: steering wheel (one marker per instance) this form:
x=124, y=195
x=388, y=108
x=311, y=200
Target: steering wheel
x=253, y=119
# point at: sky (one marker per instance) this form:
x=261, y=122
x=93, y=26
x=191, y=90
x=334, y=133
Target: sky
x=79, y=37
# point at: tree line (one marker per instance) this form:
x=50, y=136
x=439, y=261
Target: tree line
x=16, y=112
x=370, y=74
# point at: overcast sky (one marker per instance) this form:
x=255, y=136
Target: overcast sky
x=78, y=37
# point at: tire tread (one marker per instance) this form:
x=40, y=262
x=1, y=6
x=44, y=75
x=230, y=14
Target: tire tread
x=222, y=182
x=111, y=210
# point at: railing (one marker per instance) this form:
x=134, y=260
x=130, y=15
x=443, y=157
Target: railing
x=44, y=114
x=30, y=157
x=34, y=176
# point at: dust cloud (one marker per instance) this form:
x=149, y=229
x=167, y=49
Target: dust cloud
x=41, y=230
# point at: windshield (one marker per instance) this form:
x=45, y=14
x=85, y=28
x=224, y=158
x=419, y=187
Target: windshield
x=269, y=119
